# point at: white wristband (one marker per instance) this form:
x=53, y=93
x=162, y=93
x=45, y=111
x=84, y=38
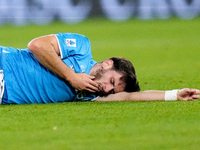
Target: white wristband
x=171, y=95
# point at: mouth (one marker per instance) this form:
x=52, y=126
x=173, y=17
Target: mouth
x=101, y=91
x=100, y=88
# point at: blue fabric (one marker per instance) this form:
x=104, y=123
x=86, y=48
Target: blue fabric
x=27, y=81
x=1, y=63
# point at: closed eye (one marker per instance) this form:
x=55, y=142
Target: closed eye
x=113, y=82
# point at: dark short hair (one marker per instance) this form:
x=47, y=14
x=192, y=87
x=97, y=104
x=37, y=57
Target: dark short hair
x=124, y=66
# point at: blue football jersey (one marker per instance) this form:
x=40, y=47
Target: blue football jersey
x=28, y=81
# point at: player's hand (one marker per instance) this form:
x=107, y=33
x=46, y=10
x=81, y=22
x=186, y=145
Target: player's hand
x=188, y=94
x=82, y=81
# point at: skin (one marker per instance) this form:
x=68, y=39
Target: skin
x=108, y=80
x=110, y=83
x=182, y=95
x=46, y=51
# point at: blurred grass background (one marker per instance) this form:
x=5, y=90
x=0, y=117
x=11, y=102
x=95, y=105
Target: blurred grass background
x=166, y=56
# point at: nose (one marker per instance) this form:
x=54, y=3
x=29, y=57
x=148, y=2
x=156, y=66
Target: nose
x=108, y=88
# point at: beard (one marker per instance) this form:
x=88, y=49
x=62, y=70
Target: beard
x=98, y=73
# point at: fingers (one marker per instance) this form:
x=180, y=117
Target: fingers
x=191, y=91
x=83, y=81
x=190, y=94
x=91, y=86
x=194, y=92
x=90, y=90
x=197, y=91
x=195, y=97
x=91, y=77
x=93, y=83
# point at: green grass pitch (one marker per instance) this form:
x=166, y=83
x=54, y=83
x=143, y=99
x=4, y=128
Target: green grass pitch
x=166, y=55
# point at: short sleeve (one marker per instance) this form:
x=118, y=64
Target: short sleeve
x=71, y=44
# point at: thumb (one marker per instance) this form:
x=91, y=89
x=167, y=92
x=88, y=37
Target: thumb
x=195, y=97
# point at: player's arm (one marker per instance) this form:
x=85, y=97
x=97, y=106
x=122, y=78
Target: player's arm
x=46, y=51
x=181, y=95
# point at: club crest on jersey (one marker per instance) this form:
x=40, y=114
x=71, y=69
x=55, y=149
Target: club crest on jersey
x=71, y=42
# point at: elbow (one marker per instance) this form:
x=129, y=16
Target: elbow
x=43, y=44
x=34, y=46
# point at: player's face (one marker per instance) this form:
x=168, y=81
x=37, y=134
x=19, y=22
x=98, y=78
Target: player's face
x=109, y=81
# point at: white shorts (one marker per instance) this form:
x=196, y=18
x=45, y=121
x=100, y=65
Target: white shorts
x=1, y=85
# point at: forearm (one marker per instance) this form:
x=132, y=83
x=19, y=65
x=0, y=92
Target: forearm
x=47, y=53
x=135, y=96
x=55, y=64
x=173, y=95
x=152, y=95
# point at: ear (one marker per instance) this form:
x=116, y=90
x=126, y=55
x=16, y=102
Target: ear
x=107, y=64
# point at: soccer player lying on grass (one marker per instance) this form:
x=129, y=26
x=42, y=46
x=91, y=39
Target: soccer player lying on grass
x=59, y=68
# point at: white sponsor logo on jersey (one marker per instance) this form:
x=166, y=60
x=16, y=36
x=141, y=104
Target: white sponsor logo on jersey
x=82, y=68
x=71, y=42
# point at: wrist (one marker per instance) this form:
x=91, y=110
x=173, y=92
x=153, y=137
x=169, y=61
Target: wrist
x=70, y=77
x=171, y=95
